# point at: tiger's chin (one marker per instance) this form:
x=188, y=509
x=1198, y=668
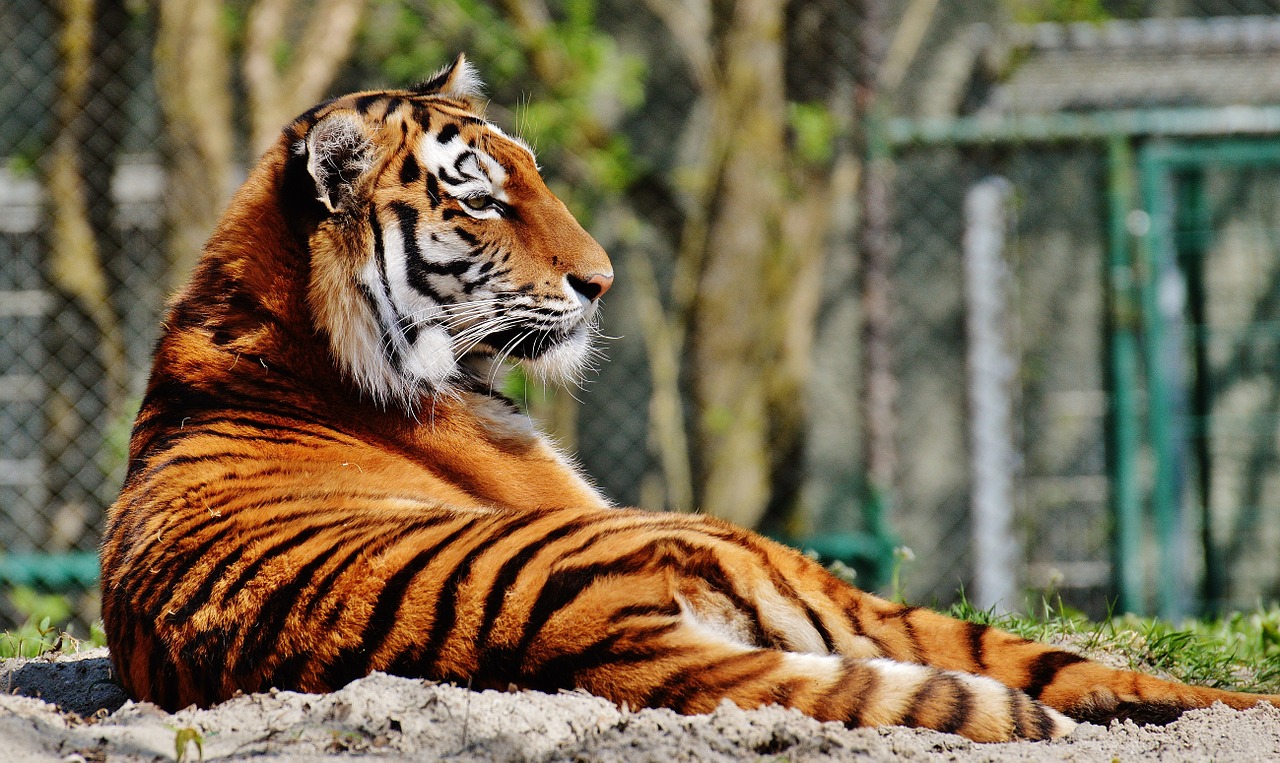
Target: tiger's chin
x=554, y=359
x=564, y=362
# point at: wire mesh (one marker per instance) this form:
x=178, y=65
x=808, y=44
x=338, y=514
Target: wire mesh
x=72, y=369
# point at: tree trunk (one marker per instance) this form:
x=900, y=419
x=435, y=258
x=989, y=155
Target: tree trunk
x=875, y=247
x=82, y=400
x=729, y=357
x=193, y=82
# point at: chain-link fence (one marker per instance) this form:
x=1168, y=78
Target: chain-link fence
x=75, y=335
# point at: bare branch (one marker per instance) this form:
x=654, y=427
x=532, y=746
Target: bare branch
x=276, y=95
x=326, y=44
x=689, y=22
x=262, y=81
x=906, y=43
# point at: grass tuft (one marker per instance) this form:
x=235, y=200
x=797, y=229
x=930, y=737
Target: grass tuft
x=1240, y=651
x=38, y=635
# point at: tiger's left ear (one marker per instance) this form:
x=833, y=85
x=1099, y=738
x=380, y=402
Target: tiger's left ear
x=457, y=80
x=339, y=153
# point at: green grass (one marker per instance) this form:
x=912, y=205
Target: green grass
x=1240, y=651
x=39, y=634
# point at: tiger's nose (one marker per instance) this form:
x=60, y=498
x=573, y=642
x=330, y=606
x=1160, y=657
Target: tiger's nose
x=594, y=286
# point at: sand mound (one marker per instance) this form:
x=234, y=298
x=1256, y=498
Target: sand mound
x=82, y=715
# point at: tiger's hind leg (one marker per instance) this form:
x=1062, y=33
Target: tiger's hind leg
x=797, y=606
x=656, y=656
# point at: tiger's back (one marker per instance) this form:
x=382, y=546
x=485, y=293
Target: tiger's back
x=322, y=481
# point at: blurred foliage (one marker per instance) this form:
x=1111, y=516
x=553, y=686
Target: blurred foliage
x=571, y=81
x=1057, y=11
x=814, y=131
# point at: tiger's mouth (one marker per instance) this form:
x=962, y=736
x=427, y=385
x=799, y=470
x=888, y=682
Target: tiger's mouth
x=531, y=343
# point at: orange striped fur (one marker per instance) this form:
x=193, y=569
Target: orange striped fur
x=322, y=482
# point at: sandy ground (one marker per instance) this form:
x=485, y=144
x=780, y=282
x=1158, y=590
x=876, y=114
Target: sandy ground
x=83, y=716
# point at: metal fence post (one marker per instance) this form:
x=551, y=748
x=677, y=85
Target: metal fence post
x=1164, y=301
x=1123, y=320
x=991, y=375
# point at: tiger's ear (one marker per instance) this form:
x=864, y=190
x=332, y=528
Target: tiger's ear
x=457, y=80
x=339, y=153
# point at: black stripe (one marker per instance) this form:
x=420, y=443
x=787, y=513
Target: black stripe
x=562, y=671
x=389, y=346
x=566, y=584
x=685, y=685
x=366, y=102
x=447, y=133
x=1044, y=724
x=452, y=268
x=506, y=660
x=171, y=402
x=308, y=117
x=264, y=638
x=902, y=613
x=704, y=564
x=973, y=635
x=204, y=659
x=629, y=611
x=150, y=594
x=384, y=541
x=288, y=672
x=422, y=113
x=200, y=596
x=267, y=426
x=959, y=704
x=911, y=708
x=844, y=697
x=1044, y=669
x=156, y=585
x=449, y=179
x=202, y=520
x=279, y=548
x=410, y=172
x=1018, y=706
x=416, y=269
x=408, y=330
x=511, y=569
x=433, y=190
x=827, y=640
x=354, y=660
x=420, y=659
x=458, y=162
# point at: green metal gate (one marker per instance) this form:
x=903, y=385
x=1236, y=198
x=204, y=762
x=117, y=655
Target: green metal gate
x=1204, y=315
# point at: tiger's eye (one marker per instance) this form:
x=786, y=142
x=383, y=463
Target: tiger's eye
x=479, y=203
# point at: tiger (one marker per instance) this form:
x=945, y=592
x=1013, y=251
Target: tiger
x=324, y=479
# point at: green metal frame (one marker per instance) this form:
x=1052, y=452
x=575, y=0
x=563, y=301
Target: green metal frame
x=1174, y=196
x=53, y=572
x=1171, y=142
x=1124, y=322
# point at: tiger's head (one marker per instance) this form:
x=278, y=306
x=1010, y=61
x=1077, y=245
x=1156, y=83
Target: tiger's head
x=439, y=251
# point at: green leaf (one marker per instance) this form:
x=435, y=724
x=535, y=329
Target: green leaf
x=183, y=739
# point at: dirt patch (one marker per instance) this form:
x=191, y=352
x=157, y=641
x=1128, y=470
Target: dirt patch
x=83, y=716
